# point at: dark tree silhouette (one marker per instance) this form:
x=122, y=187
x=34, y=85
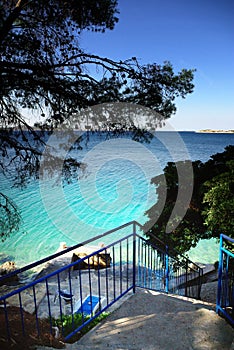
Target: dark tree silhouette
x=45, y=72
x=210, y=211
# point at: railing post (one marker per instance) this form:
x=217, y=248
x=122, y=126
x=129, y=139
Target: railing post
x=200, y=283
x=186, y=278
x=167, y=271
x=218, y=301
x=134, y=257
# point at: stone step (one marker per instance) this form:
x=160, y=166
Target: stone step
x=156, y=321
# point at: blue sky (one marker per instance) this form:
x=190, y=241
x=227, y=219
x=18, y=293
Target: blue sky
x=191, y=34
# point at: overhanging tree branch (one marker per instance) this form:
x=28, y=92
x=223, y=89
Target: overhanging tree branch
x=44, y=69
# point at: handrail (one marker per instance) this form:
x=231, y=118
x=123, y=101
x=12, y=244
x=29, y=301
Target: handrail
x=42, y=292
x=93, y=239
x=225, y=293
x=65, y=251
x=131, y=261
x=168, y=250
x=227, y=238
x=195, y=269
x=64, y=268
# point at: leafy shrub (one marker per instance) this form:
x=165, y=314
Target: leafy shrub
x=68, y=323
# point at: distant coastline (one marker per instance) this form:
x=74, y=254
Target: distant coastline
x=216, y=131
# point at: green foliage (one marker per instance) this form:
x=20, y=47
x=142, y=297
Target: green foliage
x=218, y=203
x=210, y=211
x=71, y=322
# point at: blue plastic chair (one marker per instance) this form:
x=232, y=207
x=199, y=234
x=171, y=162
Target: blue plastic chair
x=64, y=294
x=90, y=305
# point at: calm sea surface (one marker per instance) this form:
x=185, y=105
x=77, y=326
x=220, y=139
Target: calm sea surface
x=114, y=189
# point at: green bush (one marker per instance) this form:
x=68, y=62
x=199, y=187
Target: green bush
x=69, y=323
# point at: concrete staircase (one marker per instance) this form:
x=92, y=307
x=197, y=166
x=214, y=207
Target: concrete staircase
x=155, y=321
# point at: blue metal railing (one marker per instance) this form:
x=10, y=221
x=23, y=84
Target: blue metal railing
x=100, y=279
x=158, y=270
x=225, y=293
x=41, y=262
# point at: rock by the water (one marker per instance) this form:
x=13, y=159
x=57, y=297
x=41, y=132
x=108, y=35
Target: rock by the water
x=6, y=268
x=99, y=260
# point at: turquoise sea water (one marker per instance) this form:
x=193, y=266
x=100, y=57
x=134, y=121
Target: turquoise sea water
x=114, y=189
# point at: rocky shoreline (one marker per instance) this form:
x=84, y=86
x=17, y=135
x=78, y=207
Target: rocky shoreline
x=221, y=131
